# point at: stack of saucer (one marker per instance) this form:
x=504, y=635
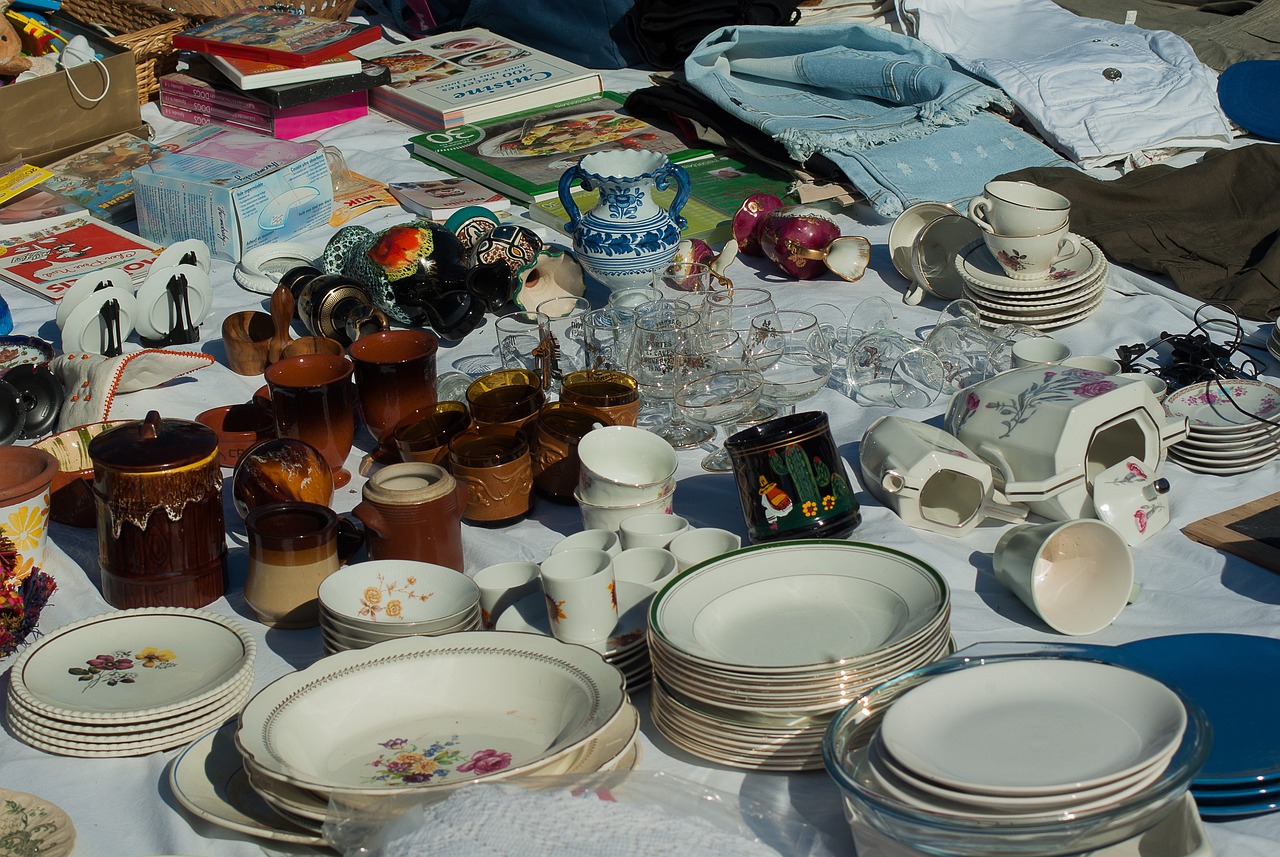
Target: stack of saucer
x=1232, y=426
x=627, y=648
x=130, y=683
x=1273, y=342
x=372, y=602
x=1071, y=290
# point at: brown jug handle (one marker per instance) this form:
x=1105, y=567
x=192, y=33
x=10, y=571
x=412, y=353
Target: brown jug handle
x=350, y=537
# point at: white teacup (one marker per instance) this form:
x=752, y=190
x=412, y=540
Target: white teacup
x=624, y=465
x=702, y=543
x=1039, y=350
x=651, y=531
x=1031, y=257
x=1019, y=208
x=650, y=567
x=605, y=540
x=1075, y=575
x=928, y=478
x=1094, y=363
x=582, y=602
x=504, y=584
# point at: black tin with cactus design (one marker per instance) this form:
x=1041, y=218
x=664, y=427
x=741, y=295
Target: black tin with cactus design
x=791, y=480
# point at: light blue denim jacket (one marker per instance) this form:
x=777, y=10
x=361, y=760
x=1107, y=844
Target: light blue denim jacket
x=891, y=112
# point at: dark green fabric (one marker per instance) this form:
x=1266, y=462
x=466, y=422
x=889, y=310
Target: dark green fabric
x=1212, y=227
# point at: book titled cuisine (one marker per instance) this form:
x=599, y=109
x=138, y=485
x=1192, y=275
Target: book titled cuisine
x=469, y=76
x=274, y=34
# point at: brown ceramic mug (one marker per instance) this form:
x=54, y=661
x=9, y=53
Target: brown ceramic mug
x=494, y=463
x=395, y=377
x=293, y=547
x=314, y=400
x=425, y=436
x=510, y=397
x=312, y=345
x=246, y=337
x=413, y=511
x=556, y=434
x=615, y=394
x=238, y=427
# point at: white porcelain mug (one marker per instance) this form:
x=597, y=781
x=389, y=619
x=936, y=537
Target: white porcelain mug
x=702, y=543
x=651, y=568
x=1031, y=257
x=502, y=585
x=582, y=601
x=1038, y=351
x=597, y=539
x=1019, y=208
x=651, y=531
x=1075, y=575
x=624, y=465
x=1094, y=363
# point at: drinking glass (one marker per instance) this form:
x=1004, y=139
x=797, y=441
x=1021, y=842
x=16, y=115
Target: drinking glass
x=663, y=331
x=718, y=385
x=792, y=354
x=684, y=277
x=522, y=339
x=565, y=316
x=734, y=308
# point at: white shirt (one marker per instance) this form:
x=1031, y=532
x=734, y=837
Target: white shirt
x=1098, y=91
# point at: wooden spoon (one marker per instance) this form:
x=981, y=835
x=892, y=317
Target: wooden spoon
x=282, y=305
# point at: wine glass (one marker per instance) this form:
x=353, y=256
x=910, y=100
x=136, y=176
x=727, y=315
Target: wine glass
x=793, y=354
x=663, y=330
x=718, y=385
x=733, y=309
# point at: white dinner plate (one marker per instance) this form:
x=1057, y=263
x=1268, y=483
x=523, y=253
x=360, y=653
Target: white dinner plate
x=1033, y=727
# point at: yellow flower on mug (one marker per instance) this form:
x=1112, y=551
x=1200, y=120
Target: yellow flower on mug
x=27, y=525
x=809, y=508
x=828, y=502
x=153, y=657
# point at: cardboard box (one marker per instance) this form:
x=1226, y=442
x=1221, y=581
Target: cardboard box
x=56, y=121
x=234, y=190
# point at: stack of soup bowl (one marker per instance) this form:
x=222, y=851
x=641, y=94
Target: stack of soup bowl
x=756, y=650
x=1025, y=754
x=372, y=602
x=625, y=471
x=430, y=714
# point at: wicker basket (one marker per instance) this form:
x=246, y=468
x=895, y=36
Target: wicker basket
x=203, y=11
x=146, y=31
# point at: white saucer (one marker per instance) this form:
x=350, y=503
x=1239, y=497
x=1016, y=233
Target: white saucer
x=84, y=331
x=155, y=304
x=1059, y=305
x=83, y=287
x=976, y=265
x=34, y=823
x=1057, y=318
x=1048, y=298
x=530, y=614
x=1208, y=409
x=933, y=254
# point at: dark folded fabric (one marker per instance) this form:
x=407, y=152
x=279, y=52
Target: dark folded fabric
x=666, y=31
x=1212, y=227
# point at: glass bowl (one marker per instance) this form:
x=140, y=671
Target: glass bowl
x=844, y=754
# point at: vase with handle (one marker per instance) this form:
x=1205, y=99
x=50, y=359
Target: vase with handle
x=627, y=235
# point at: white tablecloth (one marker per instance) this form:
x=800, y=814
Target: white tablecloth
x=123, y=807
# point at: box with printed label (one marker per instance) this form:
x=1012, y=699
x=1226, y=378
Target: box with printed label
x=234, y=190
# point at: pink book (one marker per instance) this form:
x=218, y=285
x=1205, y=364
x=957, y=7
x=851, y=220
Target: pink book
x=284, y=123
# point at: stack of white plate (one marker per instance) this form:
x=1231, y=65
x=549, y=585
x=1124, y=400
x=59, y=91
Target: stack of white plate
x=753, y=652
x=1029, y=740
x=1071, y=290
x=627, y=648
x=1273, y=342
x=432, y=713
x=372, y=602
x=130, y=683
x=1232, y=426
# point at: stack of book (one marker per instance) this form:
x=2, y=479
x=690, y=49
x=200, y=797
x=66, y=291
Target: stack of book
x=273, y=72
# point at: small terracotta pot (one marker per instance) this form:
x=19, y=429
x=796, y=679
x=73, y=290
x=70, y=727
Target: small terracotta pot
x=26, y=474
x=238, y=428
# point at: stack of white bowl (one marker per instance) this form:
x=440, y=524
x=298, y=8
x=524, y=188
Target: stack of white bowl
x=753, y=652
x=168, y=675
x=372, y=602
x=625, y=471
x=432, y=713
x=1233, y=426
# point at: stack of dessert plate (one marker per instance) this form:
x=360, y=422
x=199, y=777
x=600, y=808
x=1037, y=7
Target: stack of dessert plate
x=1273, y=342
x=372, y=602
x=754, y=651
x=1233, y=426
x=627, y=648
x=1071, y=290
x=431, y=713
x=130, y=683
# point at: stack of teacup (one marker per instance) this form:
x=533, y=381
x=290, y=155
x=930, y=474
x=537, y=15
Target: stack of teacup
x=625, y=471
x=1035, y=270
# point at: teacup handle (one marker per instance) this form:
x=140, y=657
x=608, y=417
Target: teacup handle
x=978, y=213
x=914, y=293
x=1066, y=249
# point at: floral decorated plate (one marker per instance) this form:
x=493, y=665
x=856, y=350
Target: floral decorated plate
x=133, y=665
x=429, y=711
x=17, y=350
x=402, y=596
x=530, y=614
x=1225, y=406
x=30, y=825
x=976, y=265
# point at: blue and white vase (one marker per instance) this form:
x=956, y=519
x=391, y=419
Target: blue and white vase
x=627, y=236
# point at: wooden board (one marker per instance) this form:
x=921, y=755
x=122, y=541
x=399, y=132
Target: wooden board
x=1251, y=531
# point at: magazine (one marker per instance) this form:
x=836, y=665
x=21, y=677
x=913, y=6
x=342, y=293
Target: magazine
x=100, y=178
x=523, y=155
x=439, y=198
x=469, y=76
x=276, y=34
x=47, y=261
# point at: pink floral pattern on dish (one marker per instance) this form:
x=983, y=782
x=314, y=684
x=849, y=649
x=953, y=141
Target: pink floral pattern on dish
x=407, y=763
x=1058, y=385
x=118, y=668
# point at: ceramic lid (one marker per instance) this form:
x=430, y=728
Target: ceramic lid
x=153, y=443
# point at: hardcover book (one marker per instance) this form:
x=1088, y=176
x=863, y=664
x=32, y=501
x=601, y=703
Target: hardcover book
x=252, y=74
x=100, y=178
x=283, y=123
x=46, y=261
x=470, y=76
x=287, y=94
x=524, y=154
x=275, y=34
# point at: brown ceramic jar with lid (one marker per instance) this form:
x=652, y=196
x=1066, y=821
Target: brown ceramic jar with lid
x=157, y=486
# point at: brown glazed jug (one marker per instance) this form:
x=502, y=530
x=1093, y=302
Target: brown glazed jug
x=413, y=511
x=157, y=487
